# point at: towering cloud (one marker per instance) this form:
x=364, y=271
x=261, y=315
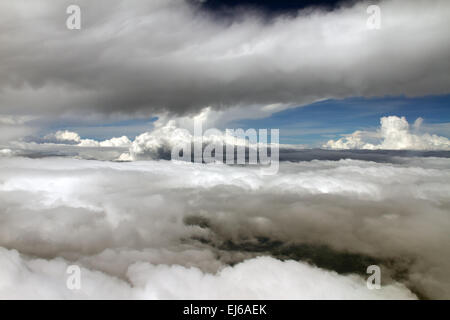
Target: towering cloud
x=394, y=134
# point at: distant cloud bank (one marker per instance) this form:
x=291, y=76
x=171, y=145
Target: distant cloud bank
x=394, y=134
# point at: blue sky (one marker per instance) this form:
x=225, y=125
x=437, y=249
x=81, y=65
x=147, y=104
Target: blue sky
x=311, y=124
x=324, y=120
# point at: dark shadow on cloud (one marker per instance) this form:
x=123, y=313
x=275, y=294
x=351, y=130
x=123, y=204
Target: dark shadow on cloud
x=317, y=254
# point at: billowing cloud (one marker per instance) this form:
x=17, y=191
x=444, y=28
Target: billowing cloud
x=159, y=142
x=6, y=152
x=394, y=134
x=140, y=222
x=160, y=229
x=261, y=278
x=113, y=142
x=68, y=136
x=73, y=138
x=131, y=58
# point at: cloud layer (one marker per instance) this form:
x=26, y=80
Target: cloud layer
x=130, y=57
x=150, y=222
x=395, y=133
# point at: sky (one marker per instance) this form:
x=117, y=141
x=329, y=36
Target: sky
x=164, y=230
x=312, y=124
x=313, y=69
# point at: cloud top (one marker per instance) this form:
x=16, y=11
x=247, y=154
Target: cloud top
x=394, y=134
x=169, y=217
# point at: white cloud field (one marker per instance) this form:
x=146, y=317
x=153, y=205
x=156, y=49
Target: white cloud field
x=162, y=229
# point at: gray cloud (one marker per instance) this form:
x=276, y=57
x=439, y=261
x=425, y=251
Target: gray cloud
x=154, y=225
x=159, y=56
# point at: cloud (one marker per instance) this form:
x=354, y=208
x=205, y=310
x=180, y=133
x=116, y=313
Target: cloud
x=168, y=133
x=166, y=137
x=129, y=58
x=25, y=278
x=73, y=138
x=141, y=221
x=6, y=152
x=394, y=134
x=67, y=136
x=13, y=120
x=113, y=142
x=161, y=229
x=261, y=278
x=14, y=127
x=159, y=143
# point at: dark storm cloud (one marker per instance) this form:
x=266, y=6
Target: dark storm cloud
x=158, y=56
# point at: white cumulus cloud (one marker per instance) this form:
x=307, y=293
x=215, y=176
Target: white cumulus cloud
x=73, y=138
x=394, y=134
